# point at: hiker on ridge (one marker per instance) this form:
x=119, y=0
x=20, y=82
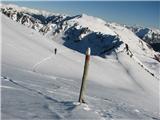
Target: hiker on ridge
x=55, y=51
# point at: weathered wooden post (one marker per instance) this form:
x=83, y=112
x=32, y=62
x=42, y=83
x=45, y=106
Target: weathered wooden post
x=85, y=72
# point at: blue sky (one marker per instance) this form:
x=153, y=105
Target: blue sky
x=144, y=13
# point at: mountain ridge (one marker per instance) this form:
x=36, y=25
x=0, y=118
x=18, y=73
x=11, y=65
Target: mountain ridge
x=82, y=31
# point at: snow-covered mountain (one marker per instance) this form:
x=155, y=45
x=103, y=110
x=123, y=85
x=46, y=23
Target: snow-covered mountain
x=73, y=29
x=80, y=31
x=36, y=84
x=149, y=35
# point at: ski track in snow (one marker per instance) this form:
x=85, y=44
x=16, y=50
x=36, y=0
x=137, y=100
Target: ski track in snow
x=42, y=61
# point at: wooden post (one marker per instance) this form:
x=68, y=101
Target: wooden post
x=85, y=72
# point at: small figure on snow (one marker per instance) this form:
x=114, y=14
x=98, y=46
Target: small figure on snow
x=126, y=47
x=127, y=50
x=55, y=51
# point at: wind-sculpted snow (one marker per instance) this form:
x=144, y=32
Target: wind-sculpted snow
x=37, y=84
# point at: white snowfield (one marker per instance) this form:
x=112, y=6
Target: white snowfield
x=37, y=84
x=93, y=23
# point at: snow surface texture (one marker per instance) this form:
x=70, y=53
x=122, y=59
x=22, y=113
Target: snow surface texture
x=37, y=84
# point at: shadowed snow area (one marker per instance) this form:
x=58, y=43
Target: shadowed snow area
x=37, y=84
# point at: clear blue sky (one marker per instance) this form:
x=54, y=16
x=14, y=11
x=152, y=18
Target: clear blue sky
x=144, y=13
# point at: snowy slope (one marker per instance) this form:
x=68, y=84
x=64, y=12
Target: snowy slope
x=143, y=54
x=36, y=84
x=80, y=31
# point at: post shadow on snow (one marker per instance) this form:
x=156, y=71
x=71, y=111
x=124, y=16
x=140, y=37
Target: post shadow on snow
x=69, y=105
x=30, y=89
x=66, y=106
x=98, y=42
